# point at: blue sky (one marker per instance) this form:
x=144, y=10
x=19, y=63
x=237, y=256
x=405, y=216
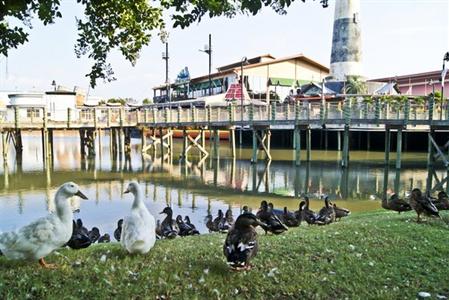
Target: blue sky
x=399, y=37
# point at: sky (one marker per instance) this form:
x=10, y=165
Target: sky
x=398, y=37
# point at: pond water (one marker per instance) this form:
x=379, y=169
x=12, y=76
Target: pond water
x=194, y=188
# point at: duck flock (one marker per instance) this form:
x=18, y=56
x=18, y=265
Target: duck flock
x=138, y=231
x=422, y=204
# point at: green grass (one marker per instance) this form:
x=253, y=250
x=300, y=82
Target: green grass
x=376, y=255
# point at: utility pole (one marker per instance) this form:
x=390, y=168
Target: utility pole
x=166, y=57
x=208, y=50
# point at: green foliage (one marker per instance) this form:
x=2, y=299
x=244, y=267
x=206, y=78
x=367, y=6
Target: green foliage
x=377, y=255
x=355, y=85
x=368, y=99
x=115, y=24
x=188, y=12
x=122, y=25
x=437, y=96
x=147, y=101
x=117, y=100
x=23, y=11
x=420, y=100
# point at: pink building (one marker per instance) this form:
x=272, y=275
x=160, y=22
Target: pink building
x=418, y=84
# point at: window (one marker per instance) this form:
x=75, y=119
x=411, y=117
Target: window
x=33, y=113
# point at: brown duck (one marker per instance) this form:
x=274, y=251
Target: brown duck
x=396, y=204
x=422, y=205
x=442, y=202
x=340, y=212
x=327, y=214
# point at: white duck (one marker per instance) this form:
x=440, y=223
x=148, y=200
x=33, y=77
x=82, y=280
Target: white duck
x=41, y=237
x=139, y=228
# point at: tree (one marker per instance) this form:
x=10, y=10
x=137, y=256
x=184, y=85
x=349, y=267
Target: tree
x=147, y=101
x=355, y=85
x=124, y=25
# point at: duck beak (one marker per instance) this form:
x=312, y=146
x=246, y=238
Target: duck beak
x=126, y=191
x=161, y=213
x=81, y=195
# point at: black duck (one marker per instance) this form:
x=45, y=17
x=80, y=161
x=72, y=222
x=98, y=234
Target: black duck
x=241, y=242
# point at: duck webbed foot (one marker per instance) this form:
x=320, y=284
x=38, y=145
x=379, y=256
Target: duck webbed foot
x=45, y=265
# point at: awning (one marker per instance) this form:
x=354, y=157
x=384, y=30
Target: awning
x=282, y=82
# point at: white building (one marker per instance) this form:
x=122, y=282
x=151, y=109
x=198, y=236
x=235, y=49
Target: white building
x=56, y=102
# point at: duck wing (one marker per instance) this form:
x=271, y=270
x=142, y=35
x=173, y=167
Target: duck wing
x=36, y=239
x=240, y=246
x=429, y=207
x=138, y=233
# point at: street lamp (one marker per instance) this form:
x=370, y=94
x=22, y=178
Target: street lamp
x=208, y=50
x=443, y=76
x=244, y=61
x=165, y=56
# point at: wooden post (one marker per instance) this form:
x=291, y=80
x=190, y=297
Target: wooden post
x=345, y=158
x=232, y=140
x=143, y=139
x=138, y=119
x=5, y=147
x=216, y=153
x=17, y=117
x=368, y=141
x=297, y=134
x=95, y=118
x=255, y=147
x=161, y=137
x=326, y=139
x=387, y=145
x=69, y=116
x=203, y=141
x=268, y=139
x=184, y=146
x=339, y=140
x=399, y=149
x=121, y=115
x=109, y=117
x=308, y=142
x=50, y=145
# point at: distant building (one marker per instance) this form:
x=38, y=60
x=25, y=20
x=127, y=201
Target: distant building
x=56, y=102
x=418, y=84
x=265, y=77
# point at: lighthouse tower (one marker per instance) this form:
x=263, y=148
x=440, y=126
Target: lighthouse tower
x=346, y=40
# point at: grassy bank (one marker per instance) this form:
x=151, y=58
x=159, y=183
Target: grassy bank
x=368, y=255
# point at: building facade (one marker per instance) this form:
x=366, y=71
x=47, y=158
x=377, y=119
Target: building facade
x=265, y=77
x=418, y=84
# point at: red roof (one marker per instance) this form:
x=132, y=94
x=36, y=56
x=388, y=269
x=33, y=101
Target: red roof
x=234, y=92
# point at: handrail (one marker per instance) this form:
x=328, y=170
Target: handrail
x=349, y=112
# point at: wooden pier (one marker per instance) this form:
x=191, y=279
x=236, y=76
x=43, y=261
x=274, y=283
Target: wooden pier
x=156, y=126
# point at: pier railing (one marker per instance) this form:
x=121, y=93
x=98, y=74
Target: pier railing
x=347, y=112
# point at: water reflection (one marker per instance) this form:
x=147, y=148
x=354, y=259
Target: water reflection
x=199, y=186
